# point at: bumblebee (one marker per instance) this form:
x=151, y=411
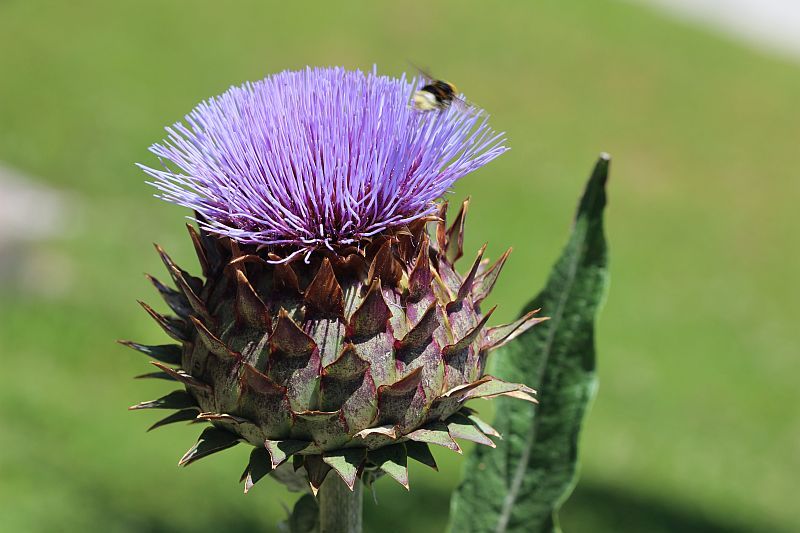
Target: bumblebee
x=435, y=95
x=438, y=95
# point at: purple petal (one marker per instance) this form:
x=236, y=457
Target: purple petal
x=317, y=157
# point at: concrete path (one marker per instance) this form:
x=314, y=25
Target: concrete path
x=28, y=210
x=31, y=214
x=769, y=24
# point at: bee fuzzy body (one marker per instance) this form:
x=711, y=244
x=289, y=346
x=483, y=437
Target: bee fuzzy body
x=436, y=95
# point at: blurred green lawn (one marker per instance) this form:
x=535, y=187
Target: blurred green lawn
x=696, y=426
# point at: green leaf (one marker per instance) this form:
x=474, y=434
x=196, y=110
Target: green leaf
x=295, y=481
x=178, y=416
x=281, y=450
x=260, y=465
x=179, y=399
x=520, y=486
x=461, y=427
x=212, y=440
x=304, y=518
x=419, y=451
x=393, y=460
x=346, y=463
x=435, y=433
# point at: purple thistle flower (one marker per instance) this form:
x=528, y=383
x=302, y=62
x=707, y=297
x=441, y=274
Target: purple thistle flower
x=319, y=157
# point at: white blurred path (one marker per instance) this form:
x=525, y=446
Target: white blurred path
x=29, y=211
x=770, y=24
x=32, y=215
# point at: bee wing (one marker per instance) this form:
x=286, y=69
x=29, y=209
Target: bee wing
x=465, y=106
x=459, y=102
x=424, y=74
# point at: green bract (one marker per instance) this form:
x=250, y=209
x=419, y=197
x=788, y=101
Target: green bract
x=352, y=362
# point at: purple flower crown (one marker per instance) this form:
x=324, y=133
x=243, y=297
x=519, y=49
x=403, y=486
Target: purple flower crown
x=319, y=157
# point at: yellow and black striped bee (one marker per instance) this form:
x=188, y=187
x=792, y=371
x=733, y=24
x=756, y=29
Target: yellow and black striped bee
x=438, y=95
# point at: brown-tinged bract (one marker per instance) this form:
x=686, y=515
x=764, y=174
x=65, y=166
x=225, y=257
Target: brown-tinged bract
x=352, y=362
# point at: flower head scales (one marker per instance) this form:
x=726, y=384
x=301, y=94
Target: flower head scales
x=318, y=157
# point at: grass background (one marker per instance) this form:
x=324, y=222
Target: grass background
x=696, y=426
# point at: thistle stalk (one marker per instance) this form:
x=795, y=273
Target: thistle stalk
x=339, y=507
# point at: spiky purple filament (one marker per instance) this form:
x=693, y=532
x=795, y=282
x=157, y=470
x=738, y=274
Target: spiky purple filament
x=319, y=157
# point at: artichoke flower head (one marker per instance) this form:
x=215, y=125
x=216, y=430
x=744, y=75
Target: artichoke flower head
x=330, y=328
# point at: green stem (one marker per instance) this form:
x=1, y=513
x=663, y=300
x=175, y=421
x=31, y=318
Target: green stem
x=339, y=507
